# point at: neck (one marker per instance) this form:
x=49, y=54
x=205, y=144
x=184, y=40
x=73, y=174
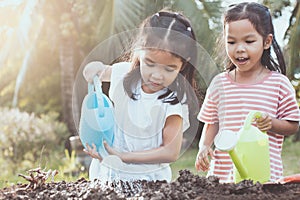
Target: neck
x=248, y=77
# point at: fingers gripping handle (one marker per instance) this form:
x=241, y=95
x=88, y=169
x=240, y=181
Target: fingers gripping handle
x=250, y=117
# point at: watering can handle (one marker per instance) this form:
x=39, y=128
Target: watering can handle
x=250, y=116
x=97, y=87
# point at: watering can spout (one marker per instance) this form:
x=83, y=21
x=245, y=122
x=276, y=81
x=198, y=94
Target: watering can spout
x=226, y=140
x=238, y=164
x=248, y=149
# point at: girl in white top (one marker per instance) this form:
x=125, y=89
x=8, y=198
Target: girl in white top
x=252, y=81
x=152, y=95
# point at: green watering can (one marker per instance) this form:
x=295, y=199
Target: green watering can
x=248, y=149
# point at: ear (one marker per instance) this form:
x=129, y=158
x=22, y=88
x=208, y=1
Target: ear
x=184, y=64
x=182, y=67
x=268, y=41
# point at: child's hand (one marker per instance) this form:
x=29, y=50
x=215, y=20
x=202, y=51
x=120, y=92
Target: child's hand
x=92, y=69
x=202, y=161
x=112, y=151
x=264, y=123
x=92, y=151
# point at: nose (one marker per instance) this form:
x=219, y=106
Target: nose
x=157, y=74
x=240, y=48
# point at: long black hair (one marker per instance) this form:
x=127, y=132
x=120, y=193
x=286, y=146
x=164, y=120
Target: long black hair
x=261, y=19
x=171, y=32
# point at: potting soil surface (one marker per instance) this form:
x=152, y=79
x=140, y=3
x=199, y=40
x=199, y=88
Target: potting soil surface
x=186, y=186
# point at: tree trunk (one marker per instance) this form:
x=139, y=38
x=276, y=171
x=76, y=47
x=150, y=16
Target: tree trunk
x=66, y=59
x=294, y=44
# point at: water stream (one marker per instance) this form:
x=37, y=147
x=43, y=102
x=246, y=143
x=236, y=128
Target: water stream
x=131, y=188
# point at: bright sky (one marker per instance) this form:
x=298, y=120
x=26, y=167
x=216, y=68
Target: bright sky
x=280, y=23
x=228, y=2
x=5, y=3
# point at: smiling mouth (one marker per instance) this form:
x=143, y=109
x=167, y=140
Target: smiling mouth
x=154, y=84
x=242, y=60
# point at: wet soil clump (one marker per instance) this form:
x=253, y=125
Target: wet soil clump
x=186, y=186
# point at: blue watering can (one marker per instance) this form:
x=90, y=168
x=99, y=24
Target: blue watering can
x=97, y=118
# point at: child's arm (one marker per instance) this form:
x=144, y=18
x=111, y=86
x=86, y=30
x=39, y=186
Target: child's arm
x=166, y=153
x=97, y=68
x=208, y=134
x=282, y=127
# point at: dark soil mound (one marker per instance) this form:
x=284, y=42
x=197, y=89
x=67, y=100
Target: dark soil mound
x=187, y=186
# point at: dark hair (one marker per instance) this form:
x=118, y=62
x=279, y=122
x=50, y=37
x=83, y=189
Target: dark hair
x=171, y=32
x=261, y=19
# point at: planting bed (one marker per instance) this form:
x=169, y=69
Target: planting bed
x=186, y=186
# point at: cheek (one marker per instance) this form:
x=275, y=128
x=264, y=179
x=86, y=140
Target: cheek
x=145, y=73
x=171, y=77
x=229, y=50
x=228, y=47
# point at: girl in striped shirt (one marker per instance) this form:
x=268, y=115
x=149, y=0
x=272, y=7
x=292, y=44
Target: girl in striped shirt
x=252, y=81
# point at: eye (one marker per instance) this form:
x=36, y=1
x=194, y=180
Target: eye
x=250, y=41
x=149, y=64
x=169, y=69
x=230, y=42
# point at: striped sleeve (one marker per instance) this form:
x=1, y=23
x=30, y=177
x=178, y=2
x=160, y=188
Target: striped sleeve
x=209, y=111
x=287, y=106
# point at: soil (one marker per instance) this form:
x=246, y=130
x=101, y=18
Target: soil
x=186, y=186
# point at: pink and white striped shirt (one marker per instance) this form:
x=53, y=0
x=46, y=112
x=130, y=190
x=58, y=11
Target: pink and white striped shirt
x=228, y=104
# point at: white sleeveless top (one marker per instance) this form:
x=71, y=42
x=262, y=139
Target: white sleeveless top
x=139, y=125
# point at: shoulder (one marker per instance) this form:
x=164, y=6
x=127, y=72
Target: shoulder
x=220, y=77
x=219, y=81
x=179, y=110
x=280, y=78
x=122, y=65
x=281, y=81
x=120, y=69
x=118, y=72
x=278, y=75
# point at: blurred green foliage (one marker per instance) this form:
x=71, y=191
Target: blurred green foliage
x=27, y=140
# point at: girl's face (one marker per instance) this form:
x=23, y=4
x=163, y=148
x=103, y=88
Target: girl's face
x=158, y=69
x=244, y=45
